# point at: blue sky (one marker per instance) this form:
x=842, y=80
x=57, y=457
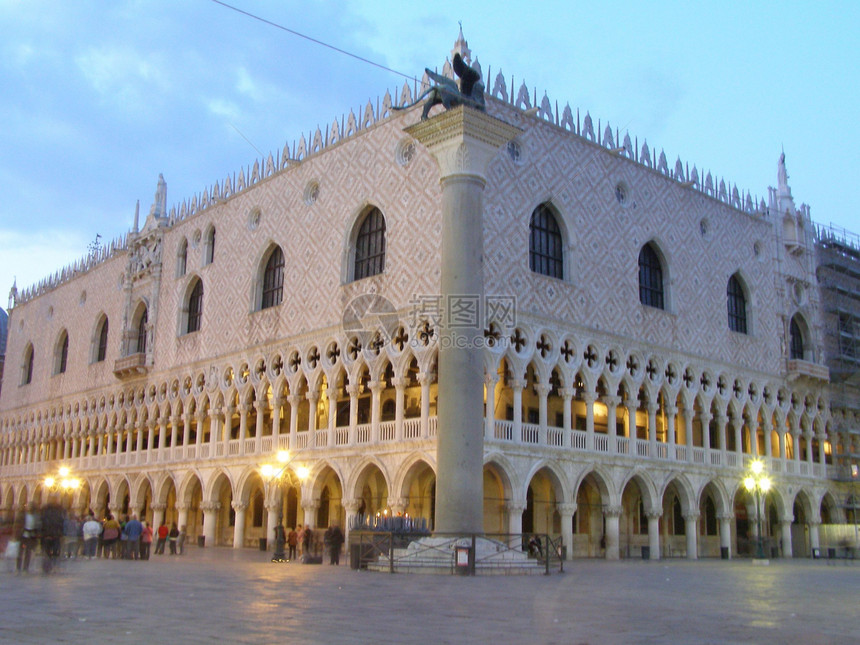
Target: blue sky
x=98, y=98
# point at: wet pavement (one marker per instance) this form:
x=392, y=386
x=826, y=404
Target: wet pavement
x=226, y=596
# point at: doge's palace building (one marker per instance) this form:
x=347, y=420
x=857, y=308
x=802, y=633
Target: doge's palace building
x=648, y=330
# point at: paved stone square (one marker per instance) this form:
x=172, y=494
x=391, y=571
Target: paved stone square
x=226, y=596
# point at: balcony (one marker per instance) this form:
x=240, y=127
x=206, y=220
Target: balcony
x=804, y=369
x=131, y=365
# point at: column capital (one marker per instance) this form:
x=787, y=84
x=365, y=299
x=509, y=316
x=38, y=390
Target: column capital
x=542, y=389
x=692, y=516
x=514, y=507
x=463, y=140
x=352, y=389
x=517, y=384
x=567, y=508
x=352, y=506
x=612, y=511
x=426, y=378
x=158, y=506
x=294, y=399
x=727, y=517
x=238, y=506
x=611, y=401
x=566, y=393
x=182, y=507
x=208, y=507
x=671, y=410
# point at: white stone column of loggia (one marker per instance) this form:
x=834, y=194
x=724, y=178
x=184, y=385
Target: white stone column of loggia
x=463, y=141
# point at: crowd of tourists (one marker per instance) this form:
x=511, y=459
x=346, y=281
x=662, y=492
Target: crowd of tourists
x=302, y=544
x=65, y=535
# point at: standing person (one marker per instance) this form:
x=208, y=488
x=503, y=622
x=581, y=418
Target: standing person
x=110, y=537
x=123, y=539
x=307, y=541
x=172, y=537
x=92, y=530
x=292, y=541
x=71, y=529
x=133, y=531
x=300, y=539
x=161, y=539
x=180, y=542
x=280, y=541
x=333, y=539
x=29, y=537
x=145, y=541
x=52, y=534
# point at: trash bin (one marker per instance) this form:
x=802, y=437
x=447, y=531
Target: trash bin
x=201, y=541
x=816, y=553
x=263, y=544
x=724, y=553
x=462, y=556
x=646, y=552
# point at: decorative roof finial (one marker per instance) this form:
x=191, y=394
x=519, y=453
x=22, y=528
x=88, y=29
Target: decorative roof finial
x=13, y=294
x=462, y=47
x=159, y=206
x=782, y=178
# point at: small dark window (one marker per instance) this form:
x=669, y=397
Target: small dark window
x=546, y=253
x=796, y=348
x=64, y=355
x=737, y=306
x=209, y=248
x=28, y=366
x=370, y=246
x=101, y=352
x=650, y=278
x=195, y=308
x=273, y=280
x=141, y=332
x=182, y=259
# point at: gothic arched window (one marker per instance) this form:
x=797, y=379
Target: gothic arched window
x=370, y=246
x=546, y=249
x=796, y=348
x=195, y=308
x=27, y=366
x=273, y=280
x=650, y=278
x=62, y=355
x=209, y=247
x=101, y=349
x=141, y=332
x=182, y=258
x=737, y=305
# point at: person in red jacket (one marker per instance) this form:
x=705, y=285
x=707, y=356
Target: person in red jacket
x=162, y=533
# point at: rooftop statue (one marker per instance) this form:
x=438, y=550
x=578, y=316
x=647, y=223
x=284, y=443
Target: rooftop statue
x=470, y=91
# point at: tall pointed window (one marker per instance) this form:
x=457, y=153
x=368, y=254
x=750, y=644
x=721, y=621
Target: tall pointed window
x=370, y=246
x=182, y=258
x=195, y=308
x=62, y=354
x=736, y=303
x=141, y=332
x=273, y=280
x=650, y=278
x=546, y=251
x=796, y=349
x=101, y=351
x=209, y=247
x=27, y=366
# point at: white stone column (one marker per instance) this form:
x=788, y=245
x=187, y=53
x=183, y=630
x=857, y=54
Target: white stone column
x=691, y=521
x=399, y=390
x=352, y=390
x=515, y=517
x=632, y=406
x=782, y=452
x=611, y=403
x=785, y=525
x=243, y=427
x=821, y=456
x=331, y=395
x=567, y=511
x=200, y=417
x=182, y=516
x=425, y=379
x=517, y=386
x=463, y=141
x=294, y=400
x=589, y=397
x=705, y=420
x=277, y=402
x=721, y=433
x=610, y=516
x=260, y=409
x=566, y=397
x=767, y=428
x=653, y=406
x=726, y=532
x=186, y=429
x=210, y=516
x=670, y=411
x=737, y=424
x=813, y=535
x=309, y=509
x=490, y=381
x=375, y=416
x=157, y=515
x=654, y=534
x=240, y=511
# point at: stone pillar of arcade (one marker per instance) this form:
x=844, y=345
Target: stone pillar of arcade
x=463, y=141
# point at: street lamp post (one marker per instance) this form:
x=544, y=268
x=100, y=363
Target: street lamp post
x=63, y=482
x=758, y=483
x=281, y=475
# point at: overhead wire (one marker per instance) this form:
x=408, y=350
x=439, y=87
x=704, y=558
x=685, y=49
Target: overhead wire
x=313, y=40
